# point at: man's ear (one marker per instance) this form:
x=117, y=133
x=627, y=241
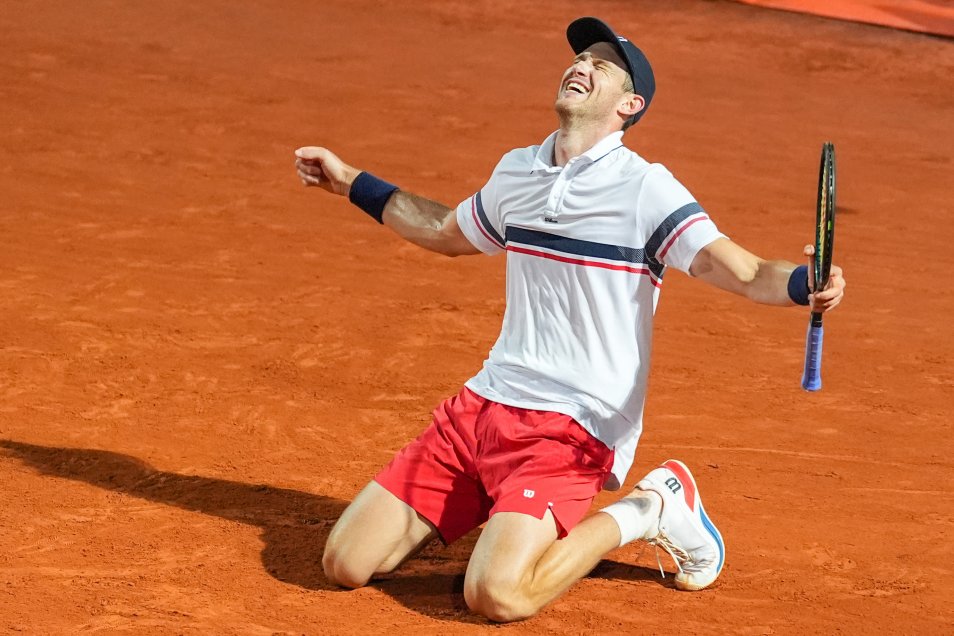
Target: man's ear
x=631, y=105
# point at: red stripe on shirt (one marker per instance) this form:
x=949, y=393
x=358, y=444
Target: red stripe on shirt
x=576, y=261
x=473, y=211
x=672, y=239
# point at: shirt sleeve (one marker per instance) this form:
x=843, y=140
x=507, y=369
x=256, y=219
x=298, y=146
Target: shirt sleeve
x=479, y=218
x=681, y=227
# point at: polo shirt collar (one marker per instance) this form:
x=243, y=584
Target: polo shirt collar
x=544, y=157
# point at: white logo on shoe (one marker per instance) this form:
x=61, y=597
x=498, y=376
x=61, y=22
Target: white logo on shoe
x=528, y=493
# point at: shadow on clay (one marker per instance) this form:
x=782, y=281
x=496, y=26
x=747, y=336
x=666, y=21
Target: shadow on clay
x=294, y=526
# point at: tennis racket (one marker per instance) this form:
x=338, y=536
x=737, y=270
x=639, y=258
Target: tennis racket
x=824, y=240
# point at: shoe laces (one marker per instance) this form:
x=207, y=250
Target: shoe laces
x=679, y=556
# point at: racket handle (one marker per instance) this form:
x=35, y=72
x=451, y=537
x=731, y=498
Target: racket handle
x=811, y=378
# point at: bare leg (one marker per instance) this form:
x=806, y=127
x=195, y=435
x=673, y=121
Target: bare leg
x=518, y=565
x=375, y=534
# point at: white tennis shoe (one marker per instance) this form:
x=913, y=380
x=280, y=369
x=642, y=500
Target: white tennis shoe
x=684, y=530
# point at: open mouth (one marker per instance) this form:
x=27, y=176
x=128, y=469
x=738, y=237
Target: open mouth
x=575, y=86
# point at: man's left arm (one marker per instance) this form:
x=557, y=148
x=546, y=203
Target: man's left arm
x=731, y=267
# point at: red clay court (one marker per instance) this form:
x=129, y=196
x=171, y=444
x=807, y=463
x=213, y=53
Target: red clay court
x=201, y=362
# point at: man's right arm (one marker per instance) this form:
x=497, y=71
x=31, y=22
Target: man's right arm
x=418, y=220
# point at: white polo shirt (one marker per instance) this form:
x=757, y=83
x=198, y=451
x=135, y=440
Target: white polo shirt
x=587, y=245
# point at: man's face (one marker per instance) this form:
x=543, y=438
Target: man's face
x=593, y=85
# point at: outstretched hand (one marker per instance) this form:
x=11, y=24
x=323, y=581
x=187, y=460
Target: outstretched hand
x=829, y=297
x=322, y=168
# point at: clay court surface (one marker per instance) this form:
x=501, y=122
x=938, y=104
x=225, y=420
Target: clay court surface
x=201, y=362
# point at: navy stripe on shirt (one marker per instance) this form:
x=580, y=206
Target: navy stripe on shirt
x=667, y=226
x=580, y=247
x=485, y=221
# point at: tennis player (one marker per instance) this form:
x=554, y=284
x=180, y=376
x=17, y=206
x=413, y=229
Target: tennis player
x=554, y=415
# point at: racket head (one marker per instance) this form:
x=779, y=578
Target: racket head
x=825, y=217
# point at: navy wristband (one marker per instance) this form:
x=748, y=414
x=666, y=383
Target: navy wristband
x=798, y=285
x=371, y=194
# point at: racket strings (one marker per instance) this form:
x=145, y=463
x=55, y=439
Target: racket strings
x=826, y=210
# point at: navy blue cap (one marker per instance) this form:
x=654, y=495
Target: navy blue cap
x=585, y=32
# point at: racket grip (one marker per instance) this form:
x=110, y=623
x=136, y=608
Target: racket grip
x=811, y=378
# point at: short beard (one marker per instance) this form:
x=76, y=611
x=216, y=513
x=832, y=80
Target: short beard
x=568, y=115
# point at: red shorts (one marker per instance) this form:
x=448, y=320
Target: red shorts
x=479, y=457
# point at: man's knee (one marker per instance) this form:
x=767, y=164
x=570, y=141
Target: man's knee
x=349, y=562
x=339, y=572
x=374, y=535
x=498, y=598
